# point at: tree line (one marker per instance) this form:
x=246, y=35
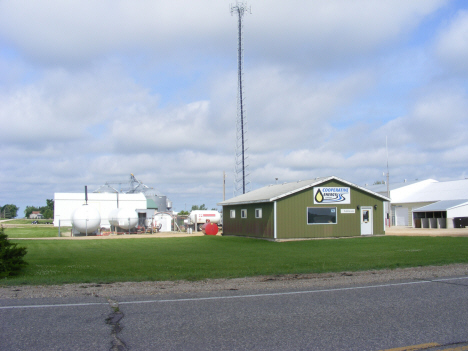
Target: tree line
x=47, y=211
x=11, y=211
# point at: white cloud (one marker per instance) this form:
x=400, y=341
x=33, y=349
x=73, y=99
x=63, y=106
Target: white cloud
x=185, y=127
x=55, y=31
x=71, y=32
x=437, y=121
x=331, y=32
x=93, y=91
x=452, y=44
x=286, y=110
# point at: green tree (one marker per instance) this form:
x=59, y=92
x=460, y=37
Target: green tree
x=183, y=213
x=11, y=256
x=47, y=211
x=29, y=210
x=9, y=211
x=196, y=207
x=50, y=204
x=4, y=212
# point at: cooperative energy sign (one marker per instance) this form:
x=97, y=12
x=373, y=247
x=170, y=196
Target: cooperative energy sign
x=332, y=195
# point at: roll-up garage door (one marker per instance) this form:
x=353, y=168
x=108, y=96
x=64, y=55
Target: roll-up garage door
x=401, y=215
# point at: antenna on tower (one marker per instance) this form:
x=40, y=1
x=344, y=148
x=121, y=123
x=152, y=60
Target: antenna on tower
x=240, y=172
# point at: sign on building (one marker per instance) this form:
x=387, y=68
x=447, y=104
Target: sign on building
x=332, y=195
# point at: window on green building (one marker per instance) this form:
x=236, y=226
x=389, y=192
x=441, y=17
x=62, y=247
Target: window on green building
x=321, y=215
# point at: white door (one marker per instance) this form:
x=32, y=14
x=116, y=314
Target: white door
x=366, y=220
x=401, y=215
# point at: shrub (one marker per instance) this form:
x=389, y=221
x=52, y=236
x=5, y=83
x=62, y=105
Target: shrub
x=11, y=256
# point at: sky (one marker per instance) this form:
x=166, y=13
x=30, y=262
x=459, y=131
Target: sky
x=92, y=91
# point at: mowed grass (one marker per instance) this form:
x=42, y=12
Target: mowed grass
x=195, y=258
x=28, y=221
x=33, y=231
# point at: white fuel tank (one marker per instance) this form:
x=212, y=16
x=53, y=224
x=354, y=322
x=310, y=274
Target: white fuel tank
x=86, y=219
x=124, y=218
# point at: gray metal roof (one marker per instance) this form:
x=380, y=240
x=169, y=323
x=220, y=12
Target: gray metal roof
x=441, y=205
x=106, y=188
x=276, y=191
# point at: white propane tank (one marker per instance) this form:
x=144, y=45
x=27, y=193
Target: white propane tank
x=86, y=219
x=200, y=217
x=124, y=218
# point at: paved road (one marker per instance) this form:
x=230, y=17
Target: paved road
x=375, y=317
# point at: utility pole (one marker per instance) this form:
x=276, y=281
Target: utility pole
x=240, y=165
x=389, y=213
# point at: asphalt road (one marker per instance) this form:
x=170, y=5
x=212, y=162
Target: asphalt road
x=373, y=317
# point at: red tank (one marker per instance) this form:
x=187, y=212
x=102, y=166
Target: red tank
x=210, y=229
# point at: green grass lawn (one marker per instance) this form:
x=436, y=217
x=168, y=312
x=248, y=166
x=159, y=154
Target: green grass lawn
x=34, y=231
x=194, y=258
x=29, y=221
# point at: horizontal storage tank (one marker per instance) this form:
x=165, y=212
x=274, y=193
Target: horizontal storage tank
x=124, y=218
x=201, y=216
x=86, y=219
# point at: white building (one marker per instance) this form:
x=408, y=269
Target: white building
x=410, y=196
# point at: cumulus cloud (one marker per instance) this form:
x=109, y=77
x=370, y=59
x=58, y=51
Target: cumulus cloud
x=93, y=91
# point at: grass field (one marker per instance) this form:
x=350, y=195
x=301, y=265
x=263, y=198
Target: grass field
x=33, y=231
x=194, y=258
x=29, y=221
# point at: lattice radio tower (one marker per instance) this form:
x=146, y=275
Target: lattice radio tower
x=240, y=172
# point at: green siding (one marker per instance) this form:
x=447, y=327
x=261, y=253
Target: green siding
x=292, y=215
x=250, y=226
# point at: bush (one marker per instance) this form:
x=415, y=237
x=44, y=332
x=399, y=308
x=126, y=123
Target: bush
x=11, y=256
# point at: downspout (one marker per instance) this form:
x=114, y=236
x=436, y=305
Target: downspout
x=275, y=236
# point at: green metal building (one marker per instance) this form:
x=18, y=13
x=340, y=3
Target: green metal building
x=316, y=208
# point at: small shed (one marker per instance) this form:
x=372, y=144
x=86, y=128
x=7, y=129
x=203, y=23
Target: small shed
x=316, y=208
x=442, y=214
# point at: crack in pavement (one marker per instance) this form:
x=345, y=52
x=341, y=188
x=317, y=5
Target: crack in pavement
x=114, y=321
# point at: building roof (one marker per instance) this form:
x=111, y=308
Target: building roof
x=274, y=192
x=442, y=205
x=382, y=188
x=106, y=188
x=151, y=204
x=432, y=191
